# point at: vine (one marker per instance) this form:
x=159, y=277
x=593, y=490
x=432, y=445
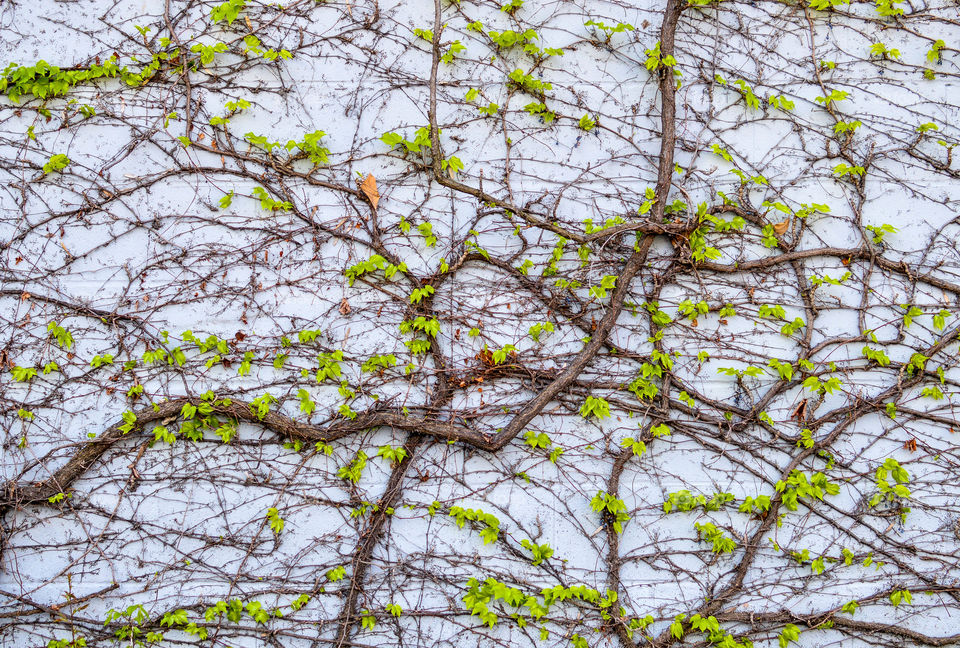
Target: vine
x=499, y=323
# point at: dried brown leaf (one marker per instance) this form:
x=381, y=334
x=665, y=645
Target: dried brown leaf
x=800, y=412
x=369, y=189
x=780, y=228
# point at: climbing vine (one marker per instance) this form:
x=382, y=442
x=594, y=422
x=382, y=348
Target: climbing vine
x=480, y=323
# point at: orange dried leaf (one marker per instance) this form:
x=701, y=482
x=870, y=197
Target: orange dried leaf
x=780, y=228
x=800, y=412
x=369, y=189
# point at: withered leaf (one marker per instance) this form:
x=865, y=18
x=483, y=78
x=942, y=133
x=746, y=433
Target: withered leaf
x=780, y=228
x=369, y=189
x=800, y=412
x=344, y=307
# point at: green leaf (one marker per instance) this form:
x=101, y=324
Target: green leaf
x=391, y=139
x=56, y=162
